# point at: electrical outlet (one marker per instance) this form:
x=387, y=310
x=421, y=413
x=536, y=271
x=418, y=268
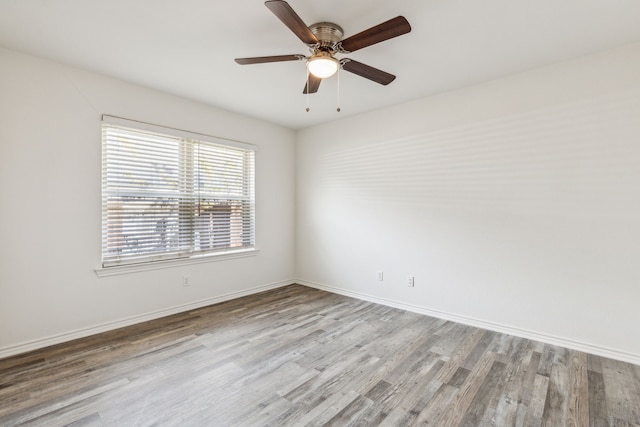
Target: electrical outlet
x=186, y=281
x=380, y=276
x=410, y=281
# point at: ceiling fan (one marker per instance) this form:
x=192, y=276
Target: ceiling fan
x=324, y=40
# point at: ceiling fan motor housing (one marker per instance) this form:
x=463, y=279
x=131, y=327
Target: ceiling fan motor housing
x=327, y=33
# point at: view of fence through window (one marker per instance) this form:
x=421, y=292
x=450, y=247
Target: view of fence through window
x=170, y=197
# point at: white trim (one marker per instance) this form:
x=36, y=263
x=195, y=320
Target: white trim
x=155, y=265
x=109, y=326
x=545, y=338
x=492, y=326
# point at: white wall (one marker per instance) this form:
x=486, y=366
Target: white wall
x=515, y=204
x=50, y=212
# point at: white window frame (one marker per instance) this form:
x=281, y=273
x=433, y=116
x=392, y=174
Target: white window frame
x=191, y=248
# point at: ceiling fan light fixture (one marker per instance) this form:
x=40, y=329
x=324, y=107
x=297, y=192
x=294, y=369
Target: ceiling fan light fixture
x=323, y=65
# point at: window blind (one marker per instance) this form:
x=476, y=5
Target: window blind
x=167, y=196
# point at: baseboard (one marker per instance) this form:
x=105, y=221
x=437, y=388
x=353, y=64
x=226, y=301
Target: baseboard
x=492, y=326
x=546, y=338
x=109, y=326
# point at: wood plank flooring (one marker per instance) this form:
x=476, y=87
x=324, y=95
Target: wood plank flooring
x=297, y=356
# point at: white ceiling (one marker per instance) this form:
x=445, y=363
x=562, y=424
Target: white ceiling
x=187, y=47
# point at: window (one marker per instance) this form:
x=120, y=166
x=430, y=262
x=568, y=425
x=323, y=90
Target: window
x=171, y=194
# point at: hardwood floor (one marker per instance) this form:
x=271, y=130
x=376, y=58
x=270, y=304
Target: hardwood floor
x=298, y=356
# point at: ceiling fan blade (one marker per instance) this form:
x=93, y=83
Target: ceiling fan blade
x=387, y=30
x=290, y=18
x=264, y=59
x=312, y=84
x=368, y=72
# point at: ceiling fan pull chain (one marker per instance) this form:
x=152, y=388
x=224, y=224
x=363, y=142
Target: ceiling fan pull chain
x=338, y=109
x=308, y=109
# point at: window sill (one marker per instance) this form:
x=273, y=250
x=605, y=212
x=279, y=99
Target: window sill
x=156, y=265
